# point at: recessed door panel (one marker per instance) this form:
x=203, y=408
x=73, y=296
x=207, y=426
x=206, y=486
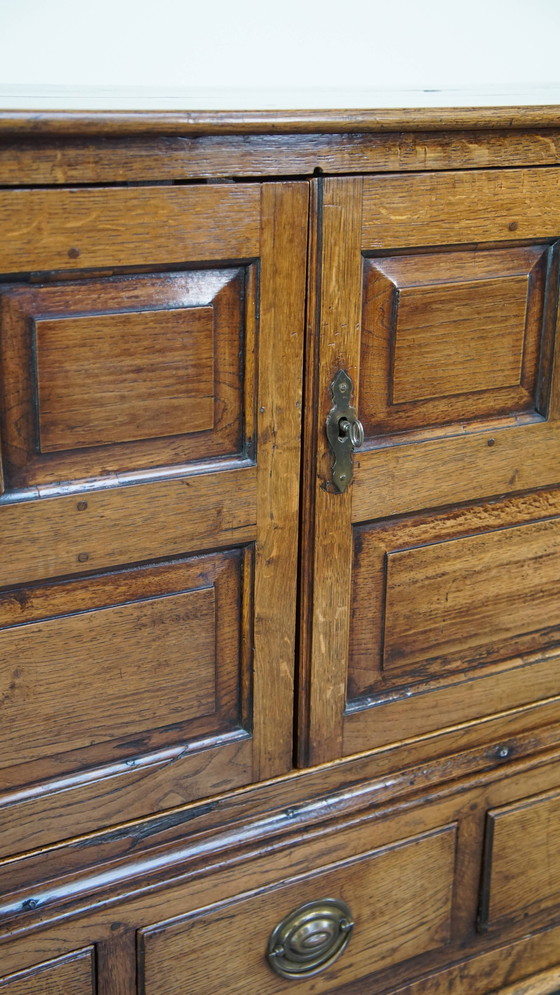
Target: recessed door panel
x=125, y=373
x=451, y=336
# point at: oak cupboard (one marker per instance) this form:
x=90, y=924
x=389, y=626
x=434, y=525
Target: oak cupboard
x=279, y=595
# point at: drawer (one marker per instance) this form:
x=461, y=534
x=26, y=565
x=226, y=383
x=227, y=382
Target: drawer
x=521, y=878
x=398, y=897
x=70, y=975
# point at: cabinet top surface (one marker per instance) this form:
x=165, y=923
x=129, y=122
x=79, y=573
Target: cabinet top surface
x=86, y=110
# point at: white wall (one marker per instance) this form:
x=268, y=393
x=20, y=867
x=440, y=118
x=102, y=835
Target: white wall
x=350, y=43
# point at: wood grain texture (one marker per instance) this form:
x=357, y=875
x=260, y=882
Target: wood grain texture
x=195, y=871
x=480, y=206
x=116, y=962
x=491, y=606
x=474, y=599
x=546, y=983
x=163, y=675
x=71, y=975
x=155, y=687
x=402, y=475
x=505, y=970
x=350, y=791
x=95, y=377
x=310, y=440
x=112, y=158
x=129, y=663
x=420, y=709
x=96, y=227
x=46, y=537
x=393, y=923
x=117, y=835
x=521, y=871
x=280, y=360
x=118, y=378
x=462, y=321
x=75, y=122
x=339, y=322
x=453, y=336
x=493, y=461
x=62, y=806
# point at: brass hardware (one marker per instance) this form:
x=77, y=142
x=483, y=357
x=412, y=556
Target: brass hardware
x=345, y=431
x=310, y=938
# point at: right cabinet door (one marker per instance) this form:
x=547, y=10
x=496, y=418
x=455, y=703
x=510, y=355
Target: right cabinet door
x=432, y=586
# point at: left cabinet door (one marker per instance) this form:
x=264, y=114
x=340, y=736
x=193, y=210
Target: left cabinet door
x=150, y=407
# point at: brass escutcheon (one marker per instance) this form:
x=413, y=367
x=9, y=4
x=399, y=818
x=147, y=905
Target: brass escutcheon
x=345, y=431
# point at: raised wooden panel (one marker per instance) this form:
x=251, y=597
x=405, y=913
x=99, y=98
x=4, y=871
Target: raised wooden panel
x=508, y=969
x=466, y=334
x=123, y=377
x=70, y=975
x=521, y=872
x=473, y=599
x=451, y=336
x=454, y=618
x=400, y=897
x=150, y=663
x=141, y=671
x=125, y=373
x=434, y=594
x=117, y=662
x=125, y=692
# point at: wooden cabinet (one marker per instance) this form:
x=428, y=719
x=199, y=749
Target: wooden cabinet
x=264, y=728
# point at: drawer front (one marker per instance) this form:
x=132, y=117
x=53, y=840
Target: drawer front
x=365, y=886
x=70, y=975
x=399, y=898
x=521, y=878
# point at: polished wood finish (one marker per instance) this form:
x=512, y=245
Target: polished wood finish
x=198, y=954
x=283, y=121
x=158, y=371
x=339, y=322
x=144, y=678
x=73, y=975
x=451, y=336
x=444, y=413
x=283, y=275
x=74, y=158
x=171, y=395
x=137, y=638
x=166, y=474
x=68, y=229
x=519, y=879
x=234, y=871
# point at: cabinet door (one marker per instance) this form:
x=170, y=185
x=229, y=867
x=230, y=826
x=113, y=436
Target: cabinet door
x=435, y=572
x=151, y=378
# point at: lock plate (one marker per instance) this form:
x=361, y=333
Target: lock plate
x=345, y=432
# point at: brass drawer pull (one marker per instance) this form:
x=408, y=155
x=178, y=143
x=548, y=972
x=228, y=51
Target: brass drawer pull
x=345, y=431
x=310, y=938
